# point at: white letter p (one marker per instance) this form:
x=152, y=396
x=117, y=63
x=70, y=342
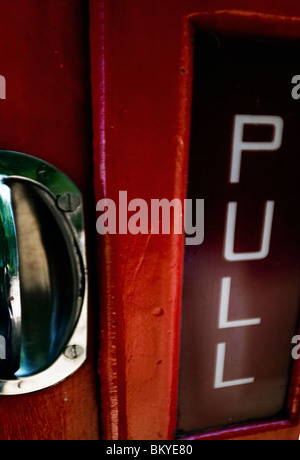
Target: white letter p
x=239, y=145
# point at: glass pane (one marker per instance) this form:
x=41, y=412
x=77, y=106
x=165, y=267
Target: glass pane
x=241, y=285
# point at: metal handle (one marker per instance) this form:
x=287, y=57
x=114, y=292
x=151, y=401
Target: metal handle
x=43, y=275
x=10, y=302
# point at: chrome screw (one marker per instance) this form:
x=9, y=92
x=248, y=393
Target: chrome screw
x=68, y=202
x=42, y=173
x=73, y=351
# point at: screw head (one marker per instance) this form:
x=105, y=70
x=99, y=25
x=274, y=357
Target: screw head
x=42, y=173
x=73, y=351
x=68, y=202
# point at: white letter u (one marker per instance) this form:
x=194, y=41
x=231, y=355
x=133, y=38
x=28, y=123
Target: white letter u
x=229, y=253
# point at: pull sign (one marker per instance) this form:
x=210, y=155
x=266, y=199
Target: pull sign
x=43, y=285
x=241, y=286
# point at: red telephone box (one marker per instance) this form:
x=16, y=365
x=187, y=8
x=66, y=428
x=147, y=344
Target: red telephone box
x=192, y=332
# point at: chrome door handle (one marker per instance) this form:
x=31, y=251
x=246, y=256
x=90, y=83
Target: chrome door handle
x=43, y=275
x=10, y=302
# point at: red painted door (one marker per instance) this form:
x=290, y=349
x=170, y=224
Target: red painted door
x=143, y=69
x=44, y=54
x=103, y=90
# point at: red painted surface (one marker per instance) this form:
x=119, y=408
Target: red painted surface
x=44, y=56
x=141, y=75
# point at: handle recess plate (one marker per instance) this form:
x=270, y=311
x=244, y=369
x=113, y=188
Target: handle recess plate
x=43, y=275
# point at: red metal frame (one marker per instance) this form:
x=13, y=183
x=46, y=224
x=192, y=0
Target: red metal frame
x=44, y=52
x=141, y=77
x=244, y=23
